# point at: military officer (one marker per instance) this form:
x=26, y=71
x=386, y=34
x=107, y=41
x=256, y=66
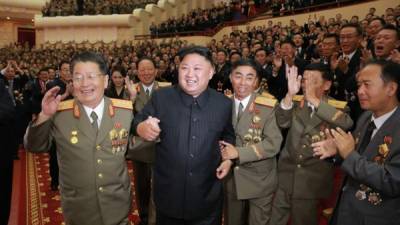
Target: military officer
x=91, y=133
x=302, y=178
x=142, y=152
x=258, y=141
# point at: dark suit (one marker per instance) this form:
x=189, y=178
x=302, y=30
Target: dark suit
x=7, y=114
x=344, y=87
x=185, y=184
x=384, y=179
x=220, y=81
x=278, y=86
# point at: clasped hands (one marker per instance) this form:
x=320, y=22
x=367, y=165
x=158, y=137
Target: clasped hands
x=337, y=141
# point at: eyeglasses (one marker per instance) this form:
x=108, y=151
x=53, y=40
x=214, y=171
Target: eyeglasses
x=78, y=78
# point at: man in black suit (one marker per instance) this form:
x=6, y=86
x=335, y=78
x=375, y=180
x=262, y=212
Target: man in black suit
x=283, y=63
x=7, y=113
x=346, y=66
x=188, y=121
x=371, y=155
x=220, y=80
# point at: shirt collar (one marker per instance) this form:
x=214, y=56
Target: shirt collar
x=350, y=55
x=99, y=109
x=150, y=87
x=188, y=99
x=244, y=102
x=382, y=119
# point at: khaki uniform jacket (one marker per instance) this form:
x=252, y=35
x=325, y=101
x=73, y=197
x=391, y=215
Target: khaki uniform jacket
x=299, y=173
x=94, y=183
x=255, y=172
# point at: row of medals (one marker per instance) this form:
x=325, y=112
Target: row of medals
x=118, y=139
x=254, y=132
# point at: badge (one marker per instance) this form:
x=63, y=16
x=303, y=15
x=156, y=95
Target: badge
x=256, y=119
x=123, y=133
x=374, y=198
x=256, y=139
x=113, y=134
x=74, y=138
x=247, y=138
x=315, y=138
x=361, y=195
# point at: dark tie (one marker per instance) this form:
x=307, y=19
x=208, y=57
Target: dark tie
x=147, y=92
x=240, y=111
x=367, y=137
x=94, y=117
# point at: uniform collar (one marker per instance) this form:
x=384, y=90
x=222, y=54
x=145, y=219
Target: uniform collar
x=188, y=100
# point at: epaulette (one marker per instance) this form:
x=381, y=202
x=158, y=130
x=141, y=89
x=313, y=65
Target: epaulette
x=65, y=105
x=164, y=84
x=337, y=104
x=267, y=95
x=298, y=98
x=261, y=100
x=120, y=103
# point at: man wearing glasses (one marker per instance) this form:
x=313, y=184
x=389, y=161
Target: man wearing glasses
x=91, y=133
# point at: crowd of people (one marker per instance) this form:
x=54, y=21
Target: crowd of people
x=344, y=46
x=92, y=7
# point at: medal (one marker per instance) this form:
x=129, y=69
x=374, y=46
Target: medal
x=74, y=138
x=256, y=139
x=361, y=195
x=256, y=119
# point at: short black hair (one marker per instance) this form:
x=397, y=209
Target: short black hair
x=119, y=69
x=223, y=51
x=145, y=58
x=389, y=72
x=261, y=49
x=62, y=63
x=381, y=20
x=249, y=62
x=322, y=68
x=288, y=41
x=358, y=28
x=333, y=35
x=235, y=53
x=393, y=28
x=89, y=56
x=199, y=50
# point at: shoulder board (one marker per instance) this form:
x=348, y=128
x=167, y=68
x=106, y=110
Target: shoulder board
x=267, y=95
x=65, y=105
x=298, y=98
x=120, y=103
x=265, y=101
x=164, y=84
x=337, y=104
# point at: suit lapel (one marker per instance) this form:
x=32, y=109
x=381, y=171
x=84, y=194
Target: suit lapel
x=384, y=130
x=106, y=122
x=84, y=124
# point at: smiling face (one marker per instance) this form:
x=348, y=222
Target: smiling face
x=194, y=74
x=117, y=79
x=244, y=81
x=146, y=72
x=88, y=83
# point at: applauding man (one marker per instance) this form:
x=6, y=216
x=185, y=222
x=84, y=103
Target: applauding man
x=302, y=178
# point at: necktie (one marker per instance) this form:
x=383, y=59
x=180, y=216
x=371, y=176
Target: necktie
x=94, y=116
x=240, y=111
x=367, y=137
x=147, y=92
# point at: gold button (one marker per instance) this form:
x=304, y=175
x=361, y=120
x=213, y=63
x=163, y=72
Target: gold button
x=99, y=161
x=304, y=146
x=100, y=175
x=298, y=166
x=300, y=156
x=98, y=147
x=101, y=189
x=236, y=167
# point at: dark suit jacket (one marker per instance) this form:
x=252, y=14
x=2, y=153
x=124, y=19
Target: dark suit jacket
x=383, y=179
x=221, y=76
x=188, y=153
x=278, y=85
x=7, y=114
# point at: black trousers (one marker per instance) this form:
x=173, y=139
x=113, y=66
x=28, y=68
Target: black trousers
x=53, y=165
x=215, y=218
x=6, y=179
x=142, y=175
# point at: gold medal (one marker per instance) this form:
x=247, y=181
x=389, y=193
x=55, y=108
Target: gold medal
x=74, y=133
x=123, y=133
x=74, y=140
x=113, y=134
x=256, y=139
x=256, y=119
x=247, y=137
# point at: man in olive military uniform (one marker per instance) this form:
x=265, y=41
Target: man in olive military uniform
x=302, y=178
x=142, y=152
x=91, y=134
x=258, y=141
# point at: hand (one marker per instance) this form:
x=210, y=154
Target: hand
x=228, y=151
x=223, y=169
x=149, y=129
x=344, y=141
x=395, y=56
x=326, y=148
x=311, y=88
x=366, y=55
x=51, y=101
x=294, y=81
x=343, y=65
x=131, y=87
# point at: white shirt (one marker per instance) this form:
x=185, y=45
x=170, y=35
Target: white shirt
x=98, y=110
x=244, y=102
x=381, y=120
x=148, y=87
x=350, y=55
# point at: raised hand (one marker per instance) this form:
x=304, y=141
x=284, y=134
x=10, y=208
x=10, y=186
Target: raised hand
x=344, y=141
x=50, y=101
x=294, y=81
x=326, y=148
x=131, y=87
x=395, y=56
x=149, y=129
